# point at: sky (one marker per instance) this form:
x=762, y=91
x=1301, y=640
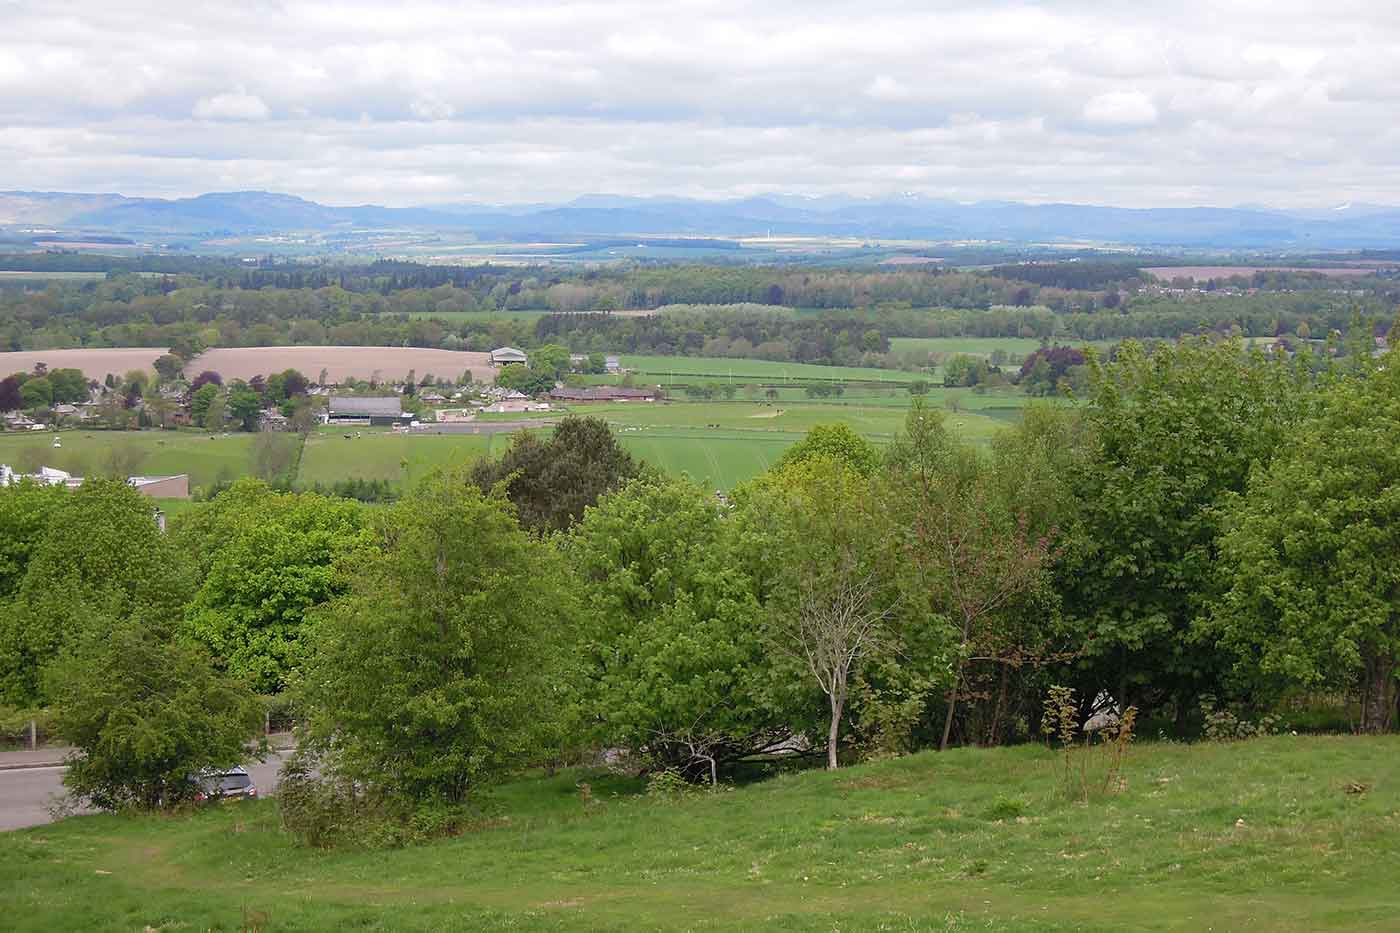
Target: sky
x=1139, y=103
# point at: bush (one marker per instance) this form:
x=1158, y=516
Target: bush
x=144, y=717
x=1223, y=725
x=669, y=786
x=327, y=814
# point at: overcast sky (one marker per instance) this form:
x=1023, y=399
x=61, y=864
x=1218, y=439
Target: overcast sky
x=1136, y=103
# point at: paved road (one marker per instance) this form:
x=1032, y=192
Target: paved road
x=25, y=794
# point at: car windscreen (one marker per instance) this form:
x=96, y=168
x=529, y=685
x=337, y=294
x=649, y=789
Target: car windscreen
x=228, y=782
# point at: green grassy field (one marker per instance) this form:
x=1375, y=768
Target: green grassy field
x=722, y=442
x=152, y=452
x=329, y=456
x=1270, y=835
x=723, y=369
x=980, y=346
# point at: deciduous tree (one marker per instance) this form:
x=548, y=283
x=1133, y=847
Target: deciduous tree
x=439, y=671
x=1312, y=554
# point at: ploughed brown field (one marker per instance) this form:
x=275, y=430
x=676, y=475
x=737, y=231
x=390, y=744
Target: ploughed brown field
x=95, y=363
x=388, y=363
x=340, y=363
x=1201, y=273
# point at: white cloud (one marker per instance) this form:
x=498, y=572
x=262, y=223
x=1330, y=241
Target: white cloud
x=235, y=105
x=1121, y=108
x=886, y=88
x=522, y=101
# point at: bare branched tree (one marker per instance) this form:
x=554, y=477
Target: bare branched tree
x=839, y=617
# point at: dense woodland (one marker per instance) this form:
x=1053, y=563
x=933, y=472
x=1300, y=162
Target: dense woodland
x=846, y=316
x=1213, y=540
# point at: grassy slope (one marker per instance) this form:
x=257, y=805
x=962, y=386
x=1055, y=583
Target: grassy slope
x=910, y=844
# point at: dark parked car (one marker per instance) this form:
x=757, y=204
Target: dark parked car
x=217, y=785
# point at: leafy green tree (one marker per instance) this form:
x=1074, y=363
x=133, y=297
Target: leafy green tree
x=824, y=542
x=244, y=407
x=1312, y=555
x=976, y=563
x=265, y=559
x=837, y=442
x=526, y=380
x=216, y=415
x=1173, y=434
x=551, y=360
x=552, y=482
x=200, y=401
x=675, y=658
x=919, y=387
x=144, y=716
x=69, y=385
x=441, y=669
x=101, y=557
x=36, y=393
x=168, y=366
x=25, y=509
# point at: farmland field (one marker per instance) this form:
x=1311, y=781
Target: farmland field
x=205, y=459
x=329, y=456
x=723, y=443
x=724, y=369
x=95, y=362
x=1014, y=347
x=1201, y=273
x=341, y=362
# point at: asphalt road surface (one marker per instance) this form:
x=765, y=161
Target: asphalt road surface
x=26, y=793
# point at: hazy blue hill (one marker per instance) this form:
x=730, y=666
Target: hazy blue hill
x=602, y=215
x=232, y=210
x=51, y=207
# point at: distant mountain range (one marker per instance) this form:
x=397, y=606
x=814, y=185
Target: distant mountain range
x=250, y=212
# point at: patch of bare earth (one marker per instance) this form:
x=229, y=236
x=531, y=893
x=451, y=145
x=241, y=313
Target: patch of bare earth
x=95, y=363
x=387, y=364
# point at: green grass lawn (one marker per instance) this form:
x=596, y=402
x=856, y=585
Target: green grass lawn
x=152, y=452
x=1259, y=835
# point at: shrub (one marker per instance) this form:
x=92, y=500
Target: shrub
x=144, y=717
x=1223, y=725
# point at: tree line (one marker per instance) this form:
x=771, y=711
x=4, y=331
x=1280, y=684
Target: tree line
x=716, y=311
x=1212, y=529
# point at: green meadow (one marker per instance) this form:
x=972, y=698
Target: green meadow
x=1290, y=833
x=724, y=369
x=206, y=458
x=1014, y=347
x=721, y=442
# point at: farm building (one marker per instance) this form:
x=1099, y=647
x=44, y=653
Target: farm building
x=380, y=410
x=504, y=356
x=603, y=394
